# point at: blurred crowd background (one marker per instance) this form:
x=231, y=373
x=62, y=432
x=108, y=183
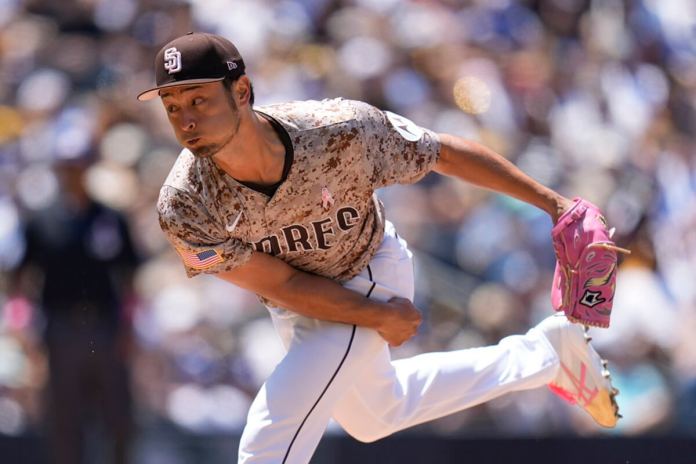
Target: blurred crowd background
x=595, y=98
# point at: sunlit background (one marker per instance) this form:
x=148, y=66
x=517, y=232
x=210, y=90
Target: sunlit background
x=595, y=98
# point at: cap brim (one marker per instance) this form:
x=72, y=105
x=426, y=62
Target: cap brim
x=153, y=92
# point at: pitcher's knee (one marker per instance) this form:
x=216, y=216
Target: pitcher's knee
x=366, y=436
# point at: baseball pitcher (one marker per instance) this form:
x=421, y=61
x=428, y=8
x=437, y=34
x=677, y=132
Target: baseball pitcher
x=280, y=200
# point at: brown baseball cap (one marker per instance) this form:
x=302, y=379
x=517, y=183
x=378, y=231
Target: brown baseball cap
x=194, y=58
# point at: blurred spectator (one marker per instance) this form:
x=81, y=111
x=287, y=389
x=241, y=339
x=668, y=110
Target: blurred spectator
x=79, y=263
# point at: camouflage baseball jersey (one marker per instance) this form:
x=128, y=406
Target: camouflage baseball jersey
x=324, y=218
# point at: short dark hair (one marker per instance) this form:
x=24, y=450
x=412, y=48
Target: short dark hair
x=228, y=81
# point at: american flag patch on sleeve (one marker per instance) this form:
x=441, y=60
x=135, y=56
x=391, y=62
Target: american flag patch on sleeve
x=201, y=260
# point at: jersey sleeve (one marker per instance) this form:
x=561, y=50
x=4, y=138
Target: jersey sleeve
x=202, y=244
x=397, y=150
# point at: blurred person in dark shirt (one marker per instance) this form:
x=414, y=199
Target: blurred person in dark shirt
x=78, y=263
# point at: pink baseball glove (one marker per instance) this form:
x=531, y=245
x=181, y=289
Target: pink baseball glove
x=586, y=258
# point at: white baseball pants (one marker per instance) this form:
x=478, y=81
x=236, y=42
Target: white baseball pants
x=345, y=372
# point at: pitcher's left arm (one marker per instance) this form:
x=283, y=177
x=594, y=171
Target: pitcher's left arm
x=479, y=165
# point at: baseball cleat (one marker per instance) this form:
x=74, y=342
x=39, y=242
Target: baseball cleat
x=583, y=377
